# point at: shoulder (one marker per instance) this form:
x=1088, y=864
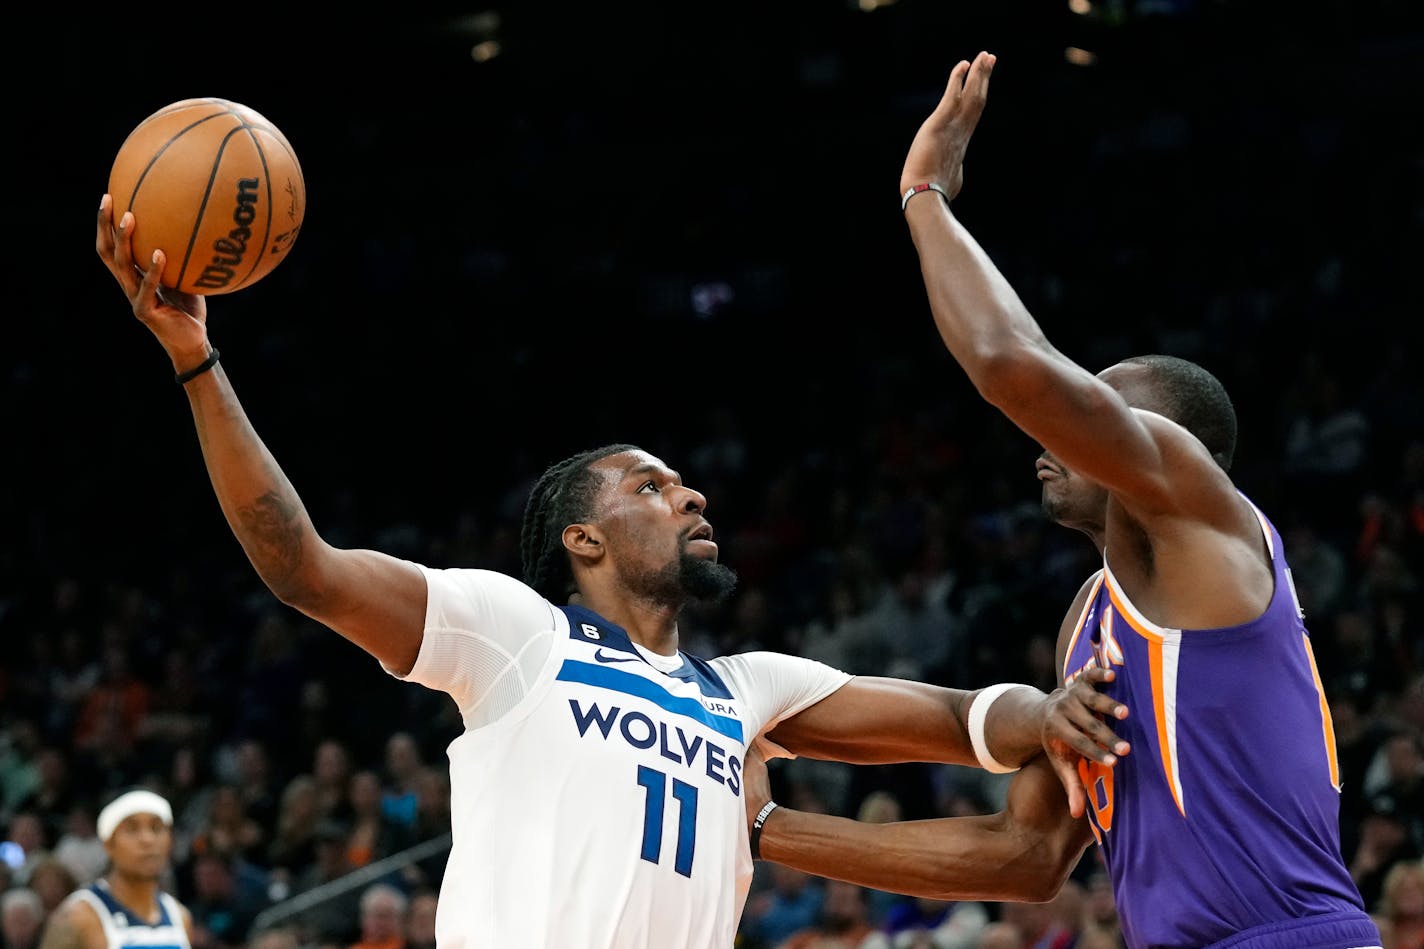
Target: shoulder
x=186, y=915
x=763, y=664
x=778, y=683
x=75, y=924
x=458, y=595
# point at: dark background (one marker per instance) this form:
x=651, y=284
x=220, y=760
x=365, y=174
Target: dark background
x=499, y=259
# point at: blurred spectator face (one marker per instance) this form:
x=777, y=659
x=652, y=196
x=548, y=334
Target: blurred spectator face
x=382, y=915
x=365, y=793
x=252, y=762
x=435, y=795
x=402, y=756
x=845, y=905
x=1403, y=758
x=27, y=831
x=330, y=763
x=274, y=939
x=52, y=881
x=1001, y=936
x=879, y=807
x=212, y=880
x=226, y=808
x=21, y=916
x=1403, y=892
x=53, y=768
x=421, y=927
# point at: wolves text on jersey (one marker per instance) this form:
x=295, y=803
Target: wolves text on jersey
x=673, y=743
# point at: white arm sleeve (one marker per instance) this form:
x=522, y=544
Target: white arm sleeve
x=487, y=635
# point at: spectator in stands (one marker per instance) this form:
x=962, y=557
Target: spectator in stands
x=372, y=833
x=224, y=902
x=22, y=916
x=1400, y=913
x=420, y=919
x=383, y=918
x=333, y=921
x=843, y=922
x=53, y=881
x=401, y=796
x=293, y=842
x=331, y=770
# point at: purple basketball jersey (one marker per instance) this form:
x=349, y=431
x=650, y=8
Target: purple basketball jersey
x=1222, y=827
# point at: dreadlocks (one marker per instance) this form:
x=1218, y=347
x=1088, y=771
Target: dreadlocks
x=563, y=495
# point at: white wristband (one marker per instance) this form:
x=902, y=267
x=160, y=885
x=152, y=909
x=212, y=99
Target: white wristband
x=978, y=714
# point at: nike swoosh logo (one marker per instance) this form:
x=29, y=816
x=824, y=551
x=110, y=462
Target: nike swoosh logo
x=599, y=655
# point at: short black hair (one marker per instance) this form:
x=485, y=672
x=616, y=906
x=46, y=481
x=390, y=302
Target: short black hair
x=1196, y=400
x=563, y=495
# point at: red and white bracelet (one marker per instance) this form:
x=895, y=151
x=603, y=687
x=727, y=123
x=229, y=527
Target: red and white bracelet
x=913, y=190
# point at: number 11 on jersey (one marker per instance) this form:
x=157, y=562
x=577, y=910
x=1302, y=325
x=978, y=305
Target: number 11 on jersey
x=654, y=784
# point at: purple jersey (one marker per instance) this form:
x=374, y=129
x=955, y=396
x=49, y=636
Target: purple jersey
x=1222, y=827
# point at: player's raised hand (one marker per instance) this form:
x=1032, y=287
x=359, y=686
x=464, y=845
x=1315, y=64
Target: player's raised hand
x=937, y=152
x=1075, y=729
x=179, y=320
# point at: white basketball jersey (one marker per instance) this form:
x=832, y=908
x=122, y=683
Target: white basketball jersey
x=603, y=809
x=125, y=930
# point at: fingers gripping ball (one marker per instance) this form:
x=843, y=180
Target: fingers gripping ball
x=216, y=187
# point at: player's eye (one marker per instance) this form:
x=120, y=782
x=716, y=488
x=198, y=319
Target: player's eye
x=647, y=485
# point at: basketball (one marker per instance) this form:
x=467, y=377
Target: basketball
x=216, y=187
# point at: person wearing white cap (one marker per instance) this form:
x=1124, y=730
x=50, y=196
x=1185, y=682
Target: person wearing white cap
x=126, y=908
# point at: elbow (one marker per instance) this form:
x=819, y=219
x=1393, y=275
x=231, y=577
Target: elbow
x=1044, y=866
x=296, y=577
x=1058, y=856
x=1004, y=368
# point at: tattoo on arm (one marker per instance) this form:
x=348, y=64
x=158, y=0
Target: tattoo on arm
x=273, y=526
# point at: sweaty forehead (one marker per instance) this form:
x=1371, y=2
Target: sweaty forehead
x=627, y=464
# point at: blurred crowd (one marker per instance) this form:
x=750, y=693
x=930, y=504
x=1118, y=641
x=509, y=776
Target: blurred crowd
x=292, y=759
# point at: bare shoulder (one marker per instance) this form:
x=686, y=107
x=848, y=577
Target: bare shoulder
x=1070, y=618
x=74, y=925
x=187, y=921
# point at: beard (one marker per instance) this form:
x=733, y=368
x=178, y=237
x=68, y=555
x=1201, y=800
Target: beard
x=706, y=581
x=690, y=578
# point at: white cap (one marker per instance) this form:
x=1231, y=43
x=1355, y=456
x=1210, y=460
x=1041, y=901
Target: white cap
x=127, y=805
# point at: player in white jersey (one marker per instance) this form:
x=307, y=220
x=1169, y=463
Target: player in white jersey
x=126, y=908
x=596, y=793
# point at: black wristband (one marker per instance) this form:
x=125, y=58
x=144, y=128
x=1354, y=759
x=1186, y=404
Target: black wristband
x=757, y=825
x=183, y=378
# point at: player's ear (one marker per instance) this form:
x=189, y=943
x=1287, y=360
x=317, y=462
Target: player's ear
x=585, y=542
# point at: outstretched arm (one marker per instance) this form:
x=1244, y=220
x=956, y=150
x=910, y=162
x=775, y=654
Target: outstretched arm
x=376, y=601
x=997, y=342
x=1022, y=854
x=873, y=720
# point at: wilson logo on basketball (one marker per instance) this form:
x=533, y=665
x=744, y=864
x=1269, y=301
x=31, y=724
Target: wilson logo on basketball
x=229, y=250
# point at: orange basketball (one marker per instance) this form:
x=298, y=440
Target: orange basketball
x=216, y=187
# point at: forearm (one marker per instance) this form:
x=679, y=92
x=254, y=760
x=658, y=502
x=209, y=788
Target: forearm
x=978, y=314
x=260, y=504
x=1013, y=725
x=969, y=858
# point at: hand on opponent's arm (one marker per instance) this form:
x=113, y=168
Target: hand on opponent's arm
x=1022, y=854
x=875, y=720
